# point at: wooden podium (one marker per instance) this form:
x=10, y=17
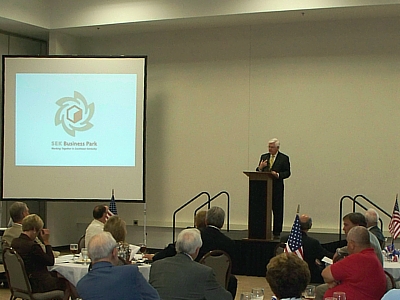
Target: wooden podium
x=260, y=205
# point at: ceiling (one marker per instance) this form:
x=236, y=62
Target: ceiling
x=312, y=15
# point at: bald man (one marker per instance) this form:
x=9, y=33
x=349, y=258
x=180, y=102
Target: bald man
x=312, y=249
x=360, y=275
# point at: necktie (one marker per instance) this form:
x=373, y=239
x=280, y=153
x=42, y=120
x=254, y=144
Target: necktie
x=271, y=161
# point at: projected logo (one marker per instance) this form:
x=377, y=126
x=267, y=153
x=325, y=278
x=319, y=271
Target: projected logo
x=74, y=114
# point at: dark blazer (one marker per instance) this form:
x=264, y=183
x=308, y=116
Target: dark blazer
x=379, y=235
x=214, y=239
x=106, y=281
x=312, y=250
x=281, y=165
x=36, y=262
x=179, y=277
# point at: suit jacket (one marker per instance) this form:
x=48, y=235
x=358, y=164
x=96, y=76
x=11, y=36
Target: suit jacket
x=379, y=235
x=106, y=281
x=36, y=262
x=179, y=277
x=281, y=165
x=214, y=239
x=313, y=250
x=11, y=233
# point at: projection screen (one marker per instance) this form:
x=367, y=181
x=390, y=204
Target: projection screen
x=73, y=128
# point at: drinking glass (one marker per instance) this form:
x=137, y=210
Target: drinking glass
x=339, y=295
x=246, y=296
x=84, y=253
x=74, y=250
x=309, y=292
x=258, y=293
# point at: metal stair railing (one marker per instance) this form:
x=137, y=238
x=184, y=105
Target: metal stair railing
x=209, y=204
x=355, y=202
x=182, y=207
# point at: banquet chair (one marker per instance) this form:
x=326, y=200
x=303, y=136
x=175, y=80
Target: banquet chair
x=81, y=243
x=390, y=283
x=18, y=281
x=221, y=263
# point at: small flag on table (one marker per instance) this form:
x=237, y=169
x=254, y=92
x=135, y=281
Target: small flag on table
x=112, y=210
x=295, y=241
x=394, y=225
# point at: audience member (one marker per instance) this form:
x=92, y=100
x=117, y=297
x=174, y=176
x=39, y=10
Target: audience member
x=312, y=250
x=35, y=259
x=18, y=211
x=372, y=217
x=106, y=280
x=169, y=250
x=180, y=277
x=214, y=239
x=97, y=225
x=288, y=276
x=360, y=275
x=349, y=221
x=117, y=227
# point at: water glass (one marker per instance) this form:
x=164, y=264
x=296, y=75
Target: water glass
x=84, y=253
x=309, y=292
x=339, y=295
x=258, y=293
x=246, y=296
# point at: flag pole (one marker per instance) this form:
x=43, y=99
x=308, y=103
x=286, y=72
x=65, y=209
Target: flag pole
x=298, y=208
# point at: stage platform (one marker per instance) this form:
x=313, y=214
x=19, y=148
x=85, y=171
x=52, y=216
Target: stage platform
x=253, y=255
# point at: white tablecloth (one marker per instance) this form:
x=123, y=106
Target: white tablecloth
x=73, y=272
x=392, y=268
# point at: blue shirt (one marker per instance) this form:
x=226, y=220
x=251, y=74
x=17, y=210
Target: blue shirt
x=105, y=282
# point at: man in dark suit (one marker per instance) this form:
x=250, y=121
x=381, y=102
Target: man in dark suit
x=312, y=249
x=214, y=239
x=180, y=277
x=107, y=280
x=372, y=217
x=279, y=165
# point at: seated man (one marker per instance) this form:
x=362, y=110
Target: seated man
x=360, y=275
x=312, y=249
x=35, y=259
x=180, y=277
x=106, y=280
x=288, y=276
x=372, y=217
x=97, y=225
x=18, y=211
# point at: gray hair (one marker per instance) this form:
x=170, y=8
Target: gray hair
x=17, y=210
x=215, y=216
x=274, y=141
x=359, y=235
x=101, y=246
x=188, y=241
x=371, y=216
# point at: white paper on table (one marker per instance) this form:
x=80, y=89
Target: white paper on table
x=134, y=249
x=327, y=260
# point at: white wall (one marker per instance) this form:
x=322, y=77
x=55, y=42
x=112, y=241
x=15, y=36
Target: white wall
x=328, y=90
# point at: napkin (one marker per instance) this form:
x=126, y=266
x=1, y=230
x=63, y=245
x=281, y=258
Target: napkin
x=134, y=249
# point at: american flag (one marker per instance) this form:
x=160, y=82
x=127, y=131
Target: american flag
x=112, y=210
x=394, y=225
x=295, y=241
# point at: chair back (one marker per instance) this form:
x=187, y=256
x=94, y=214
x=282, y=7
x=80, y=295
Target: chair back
x=390, y=283
x=81, y=243
x=16, y=275
x=18, y=281
x=221, y=263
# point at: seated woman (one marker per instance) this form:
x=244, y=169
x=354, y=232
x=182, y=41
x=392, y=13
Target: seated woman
x=288, y=276
x=35, y=259
x=117, y=227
